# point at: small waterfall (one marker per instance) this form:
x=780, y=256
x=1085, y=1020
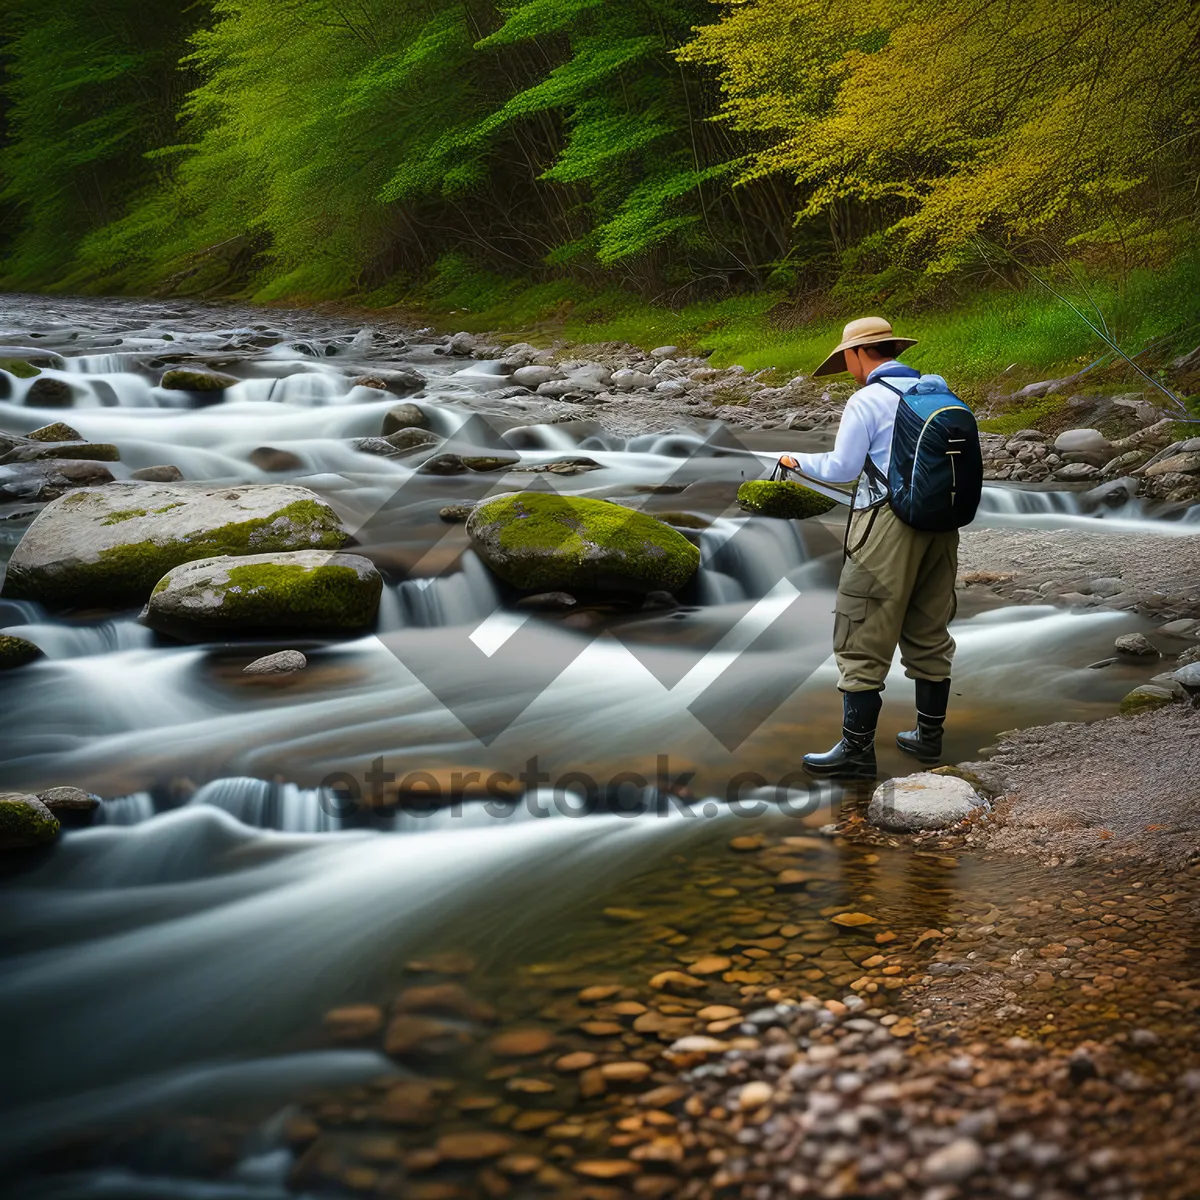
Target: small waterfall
x=1053, y=509
x=466, y=596
x=80, y=641
x=126, y=810
x=268, y=805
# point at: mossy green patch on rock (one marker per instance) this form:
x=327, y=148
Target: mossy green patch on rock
x=93, y=547
x=58, y=431
x=183, y=379
x=25, y=821
x=546, y=542
x=305, y=590
x=1145, y=699
x=19, y=368
x=782, y=498
x=16, y=652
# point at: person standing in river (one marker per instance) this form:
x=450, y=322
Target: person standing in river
x=913, y=448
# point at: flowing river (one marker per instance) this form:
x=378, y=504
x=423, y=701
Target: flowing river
x=270, y=848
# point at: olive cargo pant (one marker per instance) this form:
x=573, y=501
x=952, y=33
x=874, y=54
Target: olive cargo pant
x=897, y=587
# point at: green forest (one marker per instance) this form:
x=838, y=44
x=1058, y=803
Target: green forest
x=674, y=164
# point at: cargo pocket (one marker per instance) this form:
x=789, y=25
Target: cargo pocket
x=849, y=612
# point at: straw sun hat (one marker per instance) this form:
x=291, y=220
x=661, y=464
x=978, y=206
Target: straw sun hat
x=866, y=331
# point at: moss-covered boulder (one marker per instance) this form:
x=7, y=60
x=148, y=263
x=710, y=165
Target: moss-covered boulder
x=19, y=367
x=108, y=547
x=782, y=498
x=31, y=451
x=57, y=431
x=186, y=379
x=307, y=591
x=1145, y=699
x=16, y=652
x=541, y=541
x=25, y=821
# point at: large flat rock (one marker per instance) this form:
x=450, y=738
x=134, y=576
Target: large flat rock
x=922, y=801
x=108, y=547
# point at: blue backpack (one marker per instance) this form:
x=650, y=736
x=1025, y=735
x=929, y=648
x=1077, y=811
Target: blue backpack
x=935, y=477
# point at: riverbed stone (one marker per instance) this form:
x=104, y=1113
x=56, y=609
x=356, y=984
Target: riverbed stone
x=405, y=440
x=38, y=482
x=1146, y=698
x=1082, y=440
x=1077, y=472
x=283, y=662
x=403, y=416
x=16, y=652
x=269, y=458
x=547, y=542
x=782, y=498
x=68, y=799
x=1136, y=645
x=309, y=590
x=535, y=376
x=922, y=801
x=25, y=821
x=57, y=431
x=49, y=392
x=1189, y=676
x=110, y=546
x=1186, y=464
x=187, y=379
x=161, y=473
x=402, y=382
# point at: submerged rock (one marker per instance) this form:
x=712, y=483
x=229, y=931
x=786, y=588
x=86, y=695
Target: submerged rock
x=548, y=542
x=32, y=451
x=49, y=393
x=922, y=801
x=782, y=498
x=403, y=416
x=163, y=473
x=284, y=662
x=304, y=589
x=270, y=458
x=404, y=440
x=456, y=514
x=399, y=383
x=25, y=821
x=184, y=379
x=110, y=546
x=16, y=652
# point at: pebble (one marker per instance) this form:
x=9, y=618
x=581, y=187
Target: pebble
x=754, y=1095
x=521, y=1043
x=473, y=1146
x=354, y=1022
x=954, y=1162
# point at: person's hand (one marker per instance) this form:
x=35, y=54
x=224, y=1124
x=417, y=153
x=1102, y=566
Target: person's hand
x=786, y=460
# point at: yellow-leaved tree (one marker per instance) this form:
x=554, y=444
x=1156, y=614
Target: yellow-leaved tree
x=940, y=128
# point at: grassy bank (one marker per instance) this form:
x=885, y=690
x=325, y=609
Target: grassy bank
x=1022, y=334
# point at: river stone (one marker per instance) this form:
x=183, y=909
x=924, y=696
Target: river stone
x=954, y=1162
x=58, y=431
x=109, y=546
x=1146, y=698
x=163, y=473
x=48, y=480
x=1186, y=464
x=489, y=462
x=1074, y=440
x=40, y=451
x=782, y=498
x=186, y=379
x=1189, y=676
x=49, y=393
x=300, y=589
x=546, y=542
x=284, y=662
x=404, y=440
x=1076, y=472
x=400, y=382
x=1136, y=644
x=268, y=458
x=403, y=416
x=16, y=652
x=20, y=368
x=68, y=799
x=25, y=821
x=534, y=377
x=443, y=464
x=922, y=801
x=456, y=514
x=627, y=380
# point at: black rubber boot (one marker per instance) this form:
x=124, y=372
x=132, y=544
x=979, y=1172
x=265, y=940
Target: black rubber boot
x=926, y=740
x=854, y=756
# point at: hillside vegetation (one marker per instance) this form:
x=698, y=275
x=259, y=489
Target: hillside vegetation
x=765, y=164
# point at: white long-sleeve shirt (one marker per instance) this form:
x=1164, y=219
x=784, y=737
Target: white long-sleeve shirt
x=865, y=430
